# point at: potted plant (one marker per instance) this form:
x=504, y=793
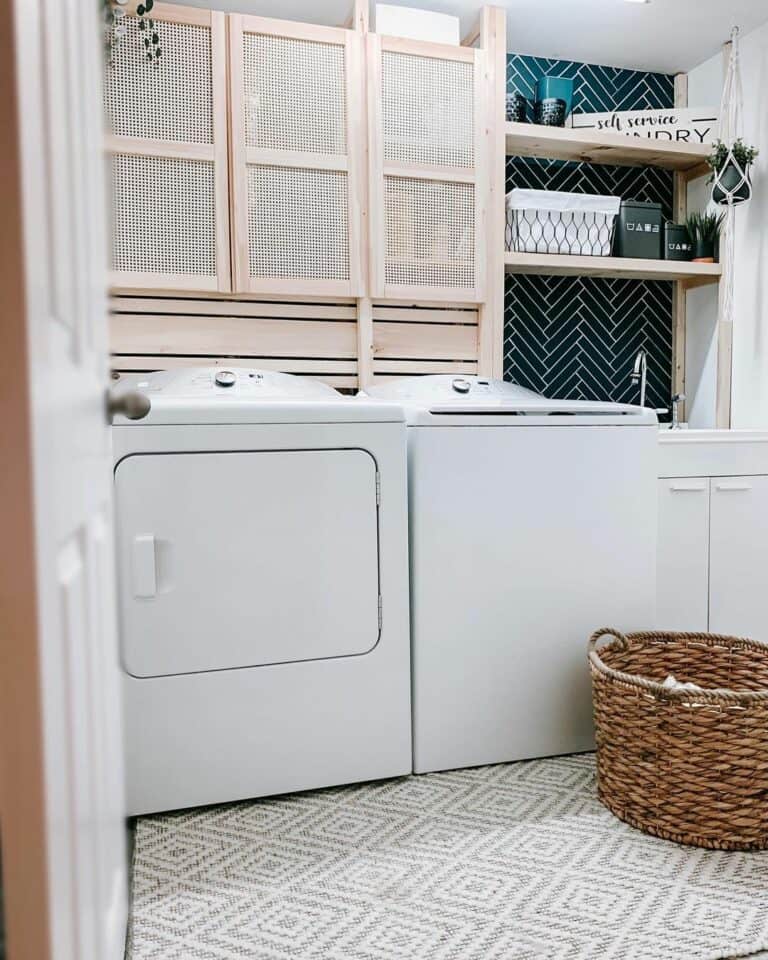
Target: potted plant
x=115, y=27
x=726, y=175
x=704, y=231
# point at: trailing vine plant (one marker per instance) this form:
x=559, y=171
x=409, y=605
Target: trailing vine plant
x=115, y=28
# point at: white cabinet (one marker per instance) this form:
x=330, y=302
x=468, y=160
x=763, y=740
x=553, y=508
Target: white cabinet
x=713, y=555
x=683, y=554
x=738, y=586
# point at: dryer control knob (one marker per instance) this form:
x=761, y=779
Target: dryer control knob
x=461, y=386
x=225, y=378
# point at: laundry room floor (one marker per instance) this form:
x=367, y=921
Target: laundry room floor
x=509, y=862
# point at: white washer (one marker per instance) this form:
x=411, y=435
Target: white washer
x=262, y=548
x=532, y=523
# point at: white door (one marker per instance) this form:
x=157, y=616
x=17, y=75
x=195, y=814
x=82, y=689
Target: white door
x=286, y=542
x=738, y=602
x=683, y=554
x=62, y=811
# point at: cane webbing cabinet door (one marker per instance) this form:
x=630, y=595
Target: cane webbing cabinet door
x=426, y=160
x=167, y=140
x=296, y=156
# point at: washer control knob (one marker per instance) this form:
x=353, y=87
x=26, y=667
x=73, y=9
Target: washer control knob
x=225, y=378
x=461, y=386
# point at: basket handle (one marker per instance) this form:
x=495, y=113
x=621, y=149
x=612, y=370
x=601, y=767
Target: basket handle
x=607, y=632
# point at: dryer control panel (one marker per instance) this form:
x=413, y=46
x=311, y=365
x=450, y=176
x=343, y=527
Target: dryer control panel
x=206, y=395
x=222, y=383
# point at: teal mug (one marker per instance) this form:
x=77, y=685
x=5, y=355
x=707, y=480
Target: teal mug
x=556, y=88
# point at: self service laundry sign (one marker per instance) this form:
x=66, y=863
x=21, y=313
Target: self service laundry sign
x=684, y=125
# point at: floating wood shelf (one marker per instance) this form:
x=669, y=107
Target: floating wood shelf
x=614, y=149
x=693, y=274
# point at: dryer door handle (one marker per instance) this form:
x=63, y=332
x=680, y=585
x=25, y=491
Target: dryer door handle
x=143, y=564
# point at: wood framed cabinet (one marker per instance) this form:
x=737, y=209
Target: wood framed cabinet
x=426, y=163
x=713, y=555
x=268, y=173
x=268, y=157
x=167, y=140
x=297, y=147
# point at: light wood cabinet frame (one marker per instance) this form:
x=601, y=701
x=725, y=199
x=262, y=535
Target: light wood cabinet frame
x=243, y=156
x=304, y=325
x=380, y=169
x=216, y=153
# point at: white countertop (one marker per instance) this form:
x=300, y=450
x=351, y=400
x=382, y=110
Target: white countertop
x=712, y=453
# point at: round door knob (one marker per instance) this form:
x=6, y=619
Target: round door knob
x=225, y=378
x=461, y=386
x=132, y=405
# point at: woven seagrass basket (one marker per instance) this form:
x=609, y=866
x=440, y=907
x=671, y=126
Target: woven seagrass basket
x=686, y=765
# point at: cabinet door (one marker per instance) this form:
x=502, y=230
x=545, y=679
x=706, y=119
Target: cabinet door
x=167, y=123
x=296, y=93
x=739, y=557
x=425, y=158
x=683, y=554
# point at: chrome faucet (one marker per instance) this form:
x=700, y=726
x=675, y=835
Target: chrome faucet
x=640, y=373
x=676, y=400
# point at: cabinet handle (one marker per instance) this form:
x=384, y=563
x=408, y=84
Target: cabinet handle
x=144, y=575
x=688, y=487
x=732, y=487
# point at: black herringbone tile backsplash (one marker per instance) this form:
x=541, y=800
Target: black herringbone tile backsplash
x=576, y=337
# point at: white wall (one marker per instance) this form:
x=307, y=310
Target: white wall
x=750, y=335
x=705, y=84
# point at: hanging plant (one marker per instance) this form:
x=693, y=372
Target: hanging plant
x=115, y=28
x=731, y=171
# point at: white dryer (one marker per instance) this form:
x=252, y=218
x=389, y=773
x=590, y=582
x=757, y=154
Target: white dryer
x=263, y=587
x=532, y=523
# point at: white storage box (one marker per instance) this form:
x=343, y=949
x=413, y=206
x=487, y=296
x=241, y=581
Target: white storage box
x=416, y=24
x=547, y=221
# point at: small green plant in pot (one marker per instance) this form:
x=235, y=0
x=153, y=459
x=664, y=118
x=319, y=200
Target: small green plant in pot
x=727, y=177
x=704, y=231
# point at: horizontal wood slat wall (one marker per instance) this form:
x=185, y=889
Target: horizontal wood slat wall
x=317, y=339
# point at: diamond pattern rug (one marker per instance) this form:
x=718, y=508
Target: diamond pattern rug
x=510, y=862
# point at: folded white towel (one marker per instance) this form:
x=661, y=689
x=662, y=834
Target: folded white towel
x=672, y=684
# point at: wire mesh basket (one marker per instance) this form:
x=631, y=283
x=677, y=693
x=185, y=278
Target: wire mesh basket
x=548, y=221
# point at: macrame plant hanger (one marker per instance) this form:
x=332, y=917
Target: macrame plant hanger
x=730, y=196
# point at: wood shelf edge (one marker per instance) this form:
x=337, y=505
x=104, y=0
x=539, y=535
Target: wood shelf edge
x=614, y=149
x=693, y=274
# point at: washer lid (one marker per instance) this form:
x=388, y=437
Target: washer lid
x=244, y=395
x=447, y=400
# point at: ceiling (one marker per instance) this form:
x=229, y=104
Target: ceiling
x=667, y=36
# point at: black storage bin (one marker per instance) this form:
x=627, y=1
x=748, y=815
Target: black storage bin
x=677, y=242
x=639, y=230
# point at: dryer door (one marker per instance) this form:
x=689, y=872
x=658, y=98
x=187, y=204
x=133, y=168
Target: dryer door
x=246, y=558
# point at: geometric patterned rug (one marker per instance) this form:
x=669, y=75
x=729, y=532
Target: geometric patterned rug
x=509, y=862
